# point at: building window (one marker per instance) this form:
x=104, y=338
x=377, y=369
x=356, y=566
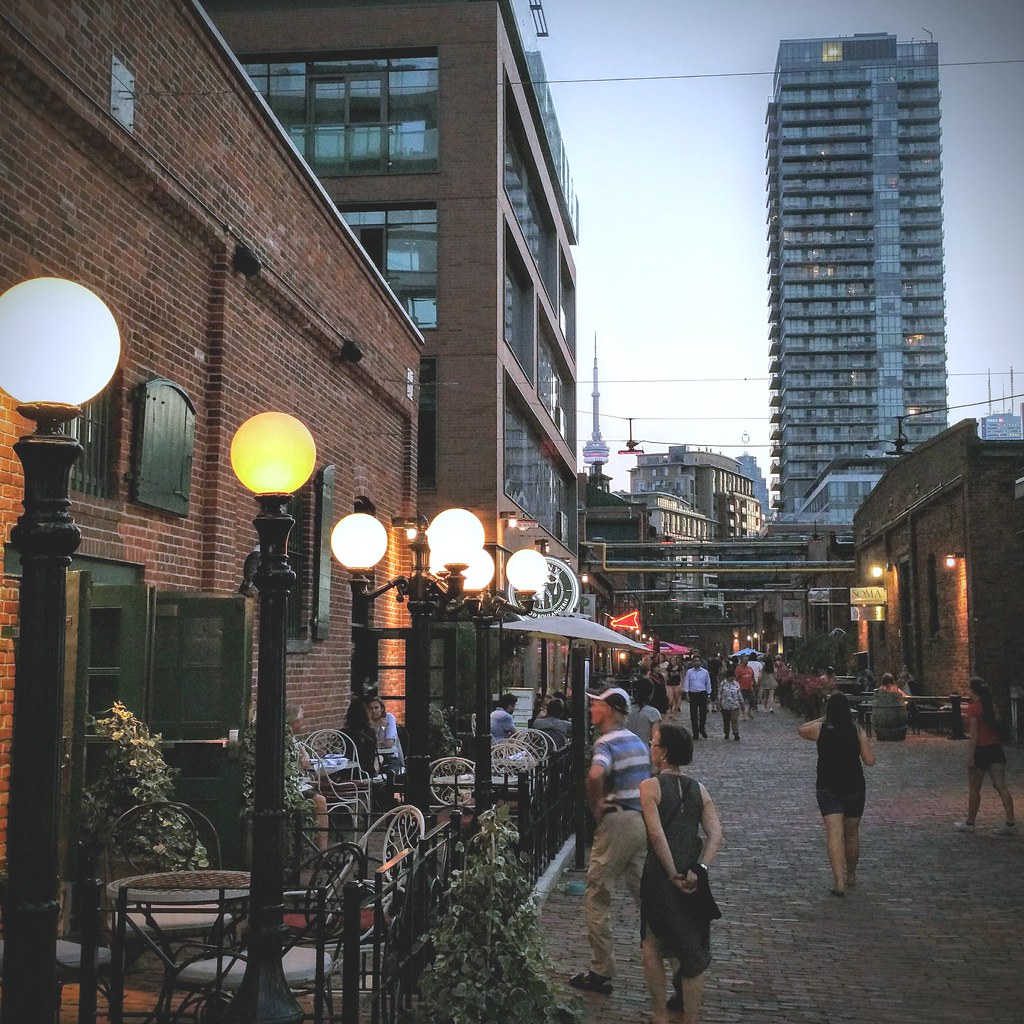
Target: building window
x=403, y=246
x=519, y=303
x=527, y=199
x=91, y=473
x=555, y=388
x=356, y=116
x=933, y=598
x=535, y=479
x=426, y=464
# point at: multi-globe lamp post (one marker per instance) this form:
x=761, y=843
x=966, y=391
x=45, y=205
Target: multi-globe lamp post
x=59, y=347
x=451, y=571
x=273, y=455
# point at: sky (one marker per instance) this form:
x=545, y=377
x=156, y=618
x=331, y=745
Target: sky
x=662, y=107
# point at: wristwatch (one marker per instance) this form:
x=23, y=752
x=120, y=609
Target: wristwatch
x=705, y=867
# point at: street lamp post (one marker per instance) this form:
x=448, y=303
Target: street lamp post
x=440, y=555
x=527, y=571
x=273, y=455
x=59, y=346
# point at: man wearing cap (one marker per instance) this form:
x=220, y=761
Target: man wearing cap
x=620, y=763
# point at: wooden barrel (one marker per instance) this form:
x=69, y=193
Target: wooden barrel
x=889, y=716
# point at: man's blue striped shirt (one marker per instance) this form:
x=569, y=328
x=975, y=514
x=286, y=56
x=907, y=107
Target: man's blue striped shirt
x=626, y=762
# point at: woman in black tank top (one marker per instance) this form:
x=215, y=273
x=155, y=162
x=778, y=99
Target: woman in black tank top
x=842, y=747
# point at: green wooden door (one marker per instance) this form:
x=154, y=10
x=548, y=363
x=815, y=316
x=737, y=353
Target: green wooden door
x=198, y=696
x=182, y=664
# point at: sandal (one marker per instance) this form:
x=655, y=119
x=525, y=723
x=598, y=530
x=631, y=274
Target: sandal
x=588, y=981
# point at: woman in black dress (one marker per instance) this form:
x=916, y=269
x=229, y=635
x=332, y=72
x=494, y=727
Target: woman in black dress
x=676, y=906
x=842, y=746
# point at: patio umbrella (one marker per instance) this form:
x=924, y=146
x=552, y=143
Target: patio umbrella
x=568, y=627
x=669, y=648
x=748, y=651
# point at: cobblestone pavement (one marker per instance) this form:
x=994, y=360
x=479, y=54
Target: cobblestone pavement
x=933, y=932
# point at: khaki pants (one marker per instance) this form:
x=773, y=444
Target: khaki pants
x=619, y=850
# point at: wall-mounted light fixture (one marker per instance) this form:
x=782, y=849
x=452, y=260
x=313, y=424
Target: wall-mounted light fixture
x=876, y=572
x=951, y=559
x=349, y=352
x=245, y=260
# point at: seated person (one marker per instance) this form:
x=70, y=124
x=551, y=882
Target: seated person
x=389, y=748
x=552, y=722
x=889, y=685
x=502, y=723
x=307, y=787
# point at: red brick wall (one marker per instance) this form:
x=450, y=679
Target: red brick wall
x=149, y=221
x=954, y=494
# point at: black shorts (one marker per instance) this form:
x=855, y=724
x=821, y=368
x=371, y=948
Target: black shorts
x=849, y=805
x=988, y=755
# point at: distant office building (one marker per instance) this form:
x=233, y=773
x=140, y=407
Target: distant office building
x=857, y=327
x=431, y=127
x=710, y=483
x=752, y=471
x=1001, y=426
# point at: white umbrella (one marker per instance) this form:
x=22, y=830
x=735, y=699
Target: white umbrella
x=569, y=627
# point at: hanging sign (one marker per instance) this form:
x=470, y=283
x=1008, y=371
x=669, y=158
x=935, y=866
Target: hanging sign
x=867, y=595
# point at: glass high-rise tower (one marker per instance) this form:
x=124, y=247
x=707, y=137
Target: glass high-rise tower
x=857, y=326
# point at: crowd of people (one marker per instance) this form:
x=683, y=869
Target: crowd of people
x=657, y=828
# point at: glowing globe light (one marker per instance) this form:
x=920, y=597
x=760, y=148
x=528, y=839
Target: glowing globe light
x=273, y=453
x=480, y=571
x=527, y=571
x=359, y=541
x=454, y=536
x=59, y=343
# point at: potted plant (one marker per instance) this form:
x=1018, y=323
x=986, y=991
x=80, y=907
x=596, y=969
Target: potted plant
x=490, y=965
x=132, y=772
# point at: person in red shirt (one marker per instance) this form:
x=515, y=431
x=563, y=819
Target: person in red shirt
x=745, y=677
x=985, y=756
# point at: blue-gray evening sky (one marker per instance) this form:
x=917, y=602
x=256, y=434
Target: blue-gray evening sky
x=670, y=174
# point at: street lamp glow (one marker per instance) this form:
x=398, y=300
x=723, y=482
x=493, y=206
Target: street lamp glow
x=359, y=541
x=273, y=453
x=454, y=536
x=59, y=343
x=527, y=571
x=479, y=572
x=876, y=572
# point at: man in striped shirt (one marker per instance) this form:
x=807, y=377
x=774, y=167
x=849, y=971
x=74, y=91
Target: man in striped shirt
x=620, y=763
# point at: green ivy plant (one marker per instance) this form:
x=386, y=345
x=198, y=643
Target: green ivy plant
x=294, y=777
x=132, y=772
x=490, y=962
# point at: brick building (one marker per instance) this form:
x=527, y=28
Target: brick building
x=945, y=529
x=137, y=162
x=431, y=126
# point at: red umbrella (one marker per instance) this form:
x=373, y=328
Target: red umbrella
x=665, y=647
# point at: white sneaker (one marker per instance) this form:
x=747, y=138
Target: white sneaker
x=963, y=826
x=1006, y=829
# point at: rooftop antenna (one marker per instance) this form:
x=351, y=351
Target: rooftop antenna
x=990, y=392
x=931, y=38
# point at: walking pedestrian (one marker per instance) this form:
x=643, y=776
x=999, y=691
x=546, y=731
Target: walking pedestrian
x=676, y=907
x=674, y=687
x=745, y=677
x=985, y=756
x=730, y=700
x=768, y=685
x=698, y=692
x=620, y=763
x=643, y=717
x=842, y=746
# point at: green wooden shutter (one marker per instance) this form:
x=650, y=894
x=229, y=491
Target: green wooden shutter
x=165, y=434
x=322, y=527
